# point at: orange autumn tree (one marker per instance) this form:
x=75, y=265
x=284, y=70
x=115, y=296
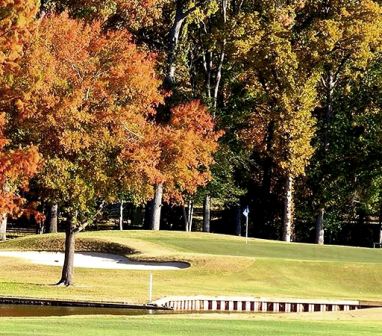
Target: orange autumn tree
x=16, y=20
x=17, y=164
x=189, y=145
x=85, y=99
x=185, y=148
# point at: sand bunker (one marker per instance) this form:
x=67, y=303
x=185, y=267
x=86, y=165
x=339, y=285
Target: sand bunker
x=93, y=260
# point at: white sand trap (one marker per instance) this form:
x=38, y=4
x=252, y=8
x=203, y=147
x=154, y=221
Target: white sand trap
x=93, y=260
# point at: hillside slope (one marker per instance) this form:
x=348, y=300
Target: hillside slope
x=221, y=265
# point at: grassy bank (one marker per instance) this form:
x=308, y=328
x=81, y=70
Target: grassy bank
x=367, y=324
x=221, y=265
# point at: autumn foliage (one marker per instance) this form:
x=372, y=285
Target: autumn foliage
x=16, y=168
x=17, y=164
x=85, y=97
x=179, y=153
x=187, y=149
x=15, y=24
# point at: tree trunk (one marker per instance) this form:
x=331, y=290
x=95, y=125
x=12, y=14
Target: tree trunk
x=53, y=218
x=219, y=74
x=222, y=56
x=237, y=221
x=67, y=270
x=288, y=210
x=185, y=218
x=157, y=207
x=329, y=84
x=207, y=214
x=320, y=232
x=40, y=228
x=148, y=214
x=268, y=163
x=121, y=216
x=190, y=215
x=380, y=222
x=3, y=227
x=181, y=13
x=207, y=65
x=173, y=44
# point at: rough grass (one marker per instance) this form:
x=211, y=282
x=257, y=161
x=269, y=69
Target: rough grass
x=232, y=325
x=221, y=265
x=56, y=243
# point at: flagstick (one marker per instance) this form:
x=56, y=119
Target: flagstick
x=246, y=214
x=246, y=230
x=150, y=287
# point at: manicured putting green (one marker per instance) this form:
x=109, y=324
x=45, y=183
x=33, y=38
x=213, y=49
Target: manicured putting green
x=203, y=243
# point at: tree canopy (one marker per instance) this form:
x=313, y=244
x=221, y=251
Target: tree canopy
x=271, y=104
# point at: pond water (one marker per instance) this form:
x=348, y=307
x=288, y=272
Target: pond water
x=7, y=310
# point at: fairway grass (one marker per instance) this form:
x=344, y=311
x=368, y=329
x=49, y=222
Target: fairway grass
x=206, y=325
x=220, y=265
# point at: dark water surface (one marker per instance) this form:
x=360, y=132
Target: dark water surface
x=8, y=310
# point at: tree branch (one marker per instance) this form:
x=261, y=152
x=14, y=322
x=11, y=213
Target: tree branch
x=80, y=227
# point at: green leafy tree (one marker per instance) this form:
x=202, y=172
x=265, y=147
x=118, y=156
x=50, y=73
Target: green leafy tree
x=340, y=38
x=281, y=125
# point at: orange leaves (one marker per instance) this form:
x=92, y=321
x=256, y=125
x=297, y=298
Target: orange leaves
x=16, y=168
x=85, y=96
x=3, y=140
x=16, y=165
x=135, y=14
x=192, y=116
x=15, y=21
x=177, y=154
x=85, y=77
x=188, y=147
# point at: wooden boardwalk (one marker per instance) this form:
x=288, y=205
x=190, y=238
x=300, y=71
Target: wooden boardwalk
x=260, y=304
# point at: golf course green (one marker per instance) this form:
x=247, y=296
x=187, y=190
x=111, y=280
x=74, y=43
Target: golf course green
x=220, y=265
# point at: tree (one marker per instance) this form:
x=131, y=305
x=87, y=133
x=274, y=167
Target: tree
x=139, y=18
x=223, y=187
x=85, y=98
x=352, y=165
x=340, y=38
x=281, y=125
x=186, y=145
x=208, y=65
x=17, y=164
